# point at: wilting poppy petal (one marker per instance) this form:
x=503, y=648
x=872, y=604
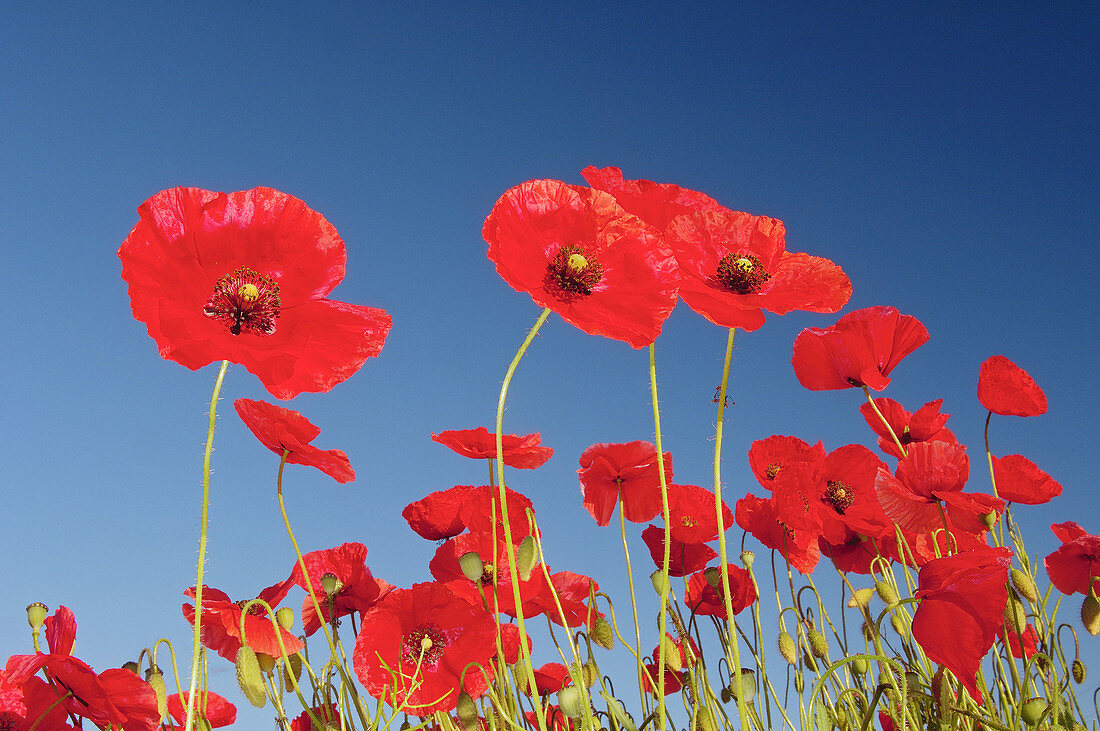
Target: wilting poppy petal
x=1006, y=388
x=1019, y=480
x=521, y=452
x=285, y=430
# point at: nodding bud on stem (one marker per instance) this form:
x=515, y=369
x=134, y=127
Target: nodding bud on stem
x=526, y=558
x=1090, y=615
x=292, y=670
x=285, y=617
x=660, y=585
x=748, y=686
x=570, y=701
x=602, y=633
x=471, y=565
x=266, y=662
x=819, y=646
x=155, y=678
x=1031, y=711
x=899, y=626
x=674, y=661
x=787, y=647
x=713, y=577
x=249, y=677
x=36, y=614
x=886, y=592
x=467, y=710
x=1077, y=669
x=132, y=666
x=861, y=598
x=1024, y=585
x=1015, y=615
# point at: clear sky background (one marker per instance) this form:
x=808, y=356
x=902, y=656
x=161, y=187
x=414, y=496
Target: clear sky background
x=945, y=157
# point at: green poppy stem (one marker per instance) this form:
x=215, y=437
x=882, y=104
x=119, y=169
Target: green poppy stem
x=662, y=719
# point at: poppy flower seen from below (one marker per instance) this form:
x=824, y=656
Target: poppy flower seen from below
x=221, y=622
x=1005, y=388
x=354, y=589
x=577, y=252
x=1075, y=566
x=285, y=430
x=861, y=349
x=610, y=472
x=705, y=598
x=244, y=277
x=684, y=558
x=520, y=452
x=655, y=203
x=1019, y=480
x=926, y=424
x=217, y=711
x=733, y=266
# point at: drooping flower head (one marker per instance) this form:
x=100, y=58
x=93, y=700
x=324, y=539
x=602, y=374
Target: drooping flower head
x=926, y=424
x=610, y=472
x=1006, y=388
x=353, y=587
x=244, y=277
x=520, y=452
x=1019, y=480
x=859, y=350
x=221, y=622
x=576, y=251
x=286, y=430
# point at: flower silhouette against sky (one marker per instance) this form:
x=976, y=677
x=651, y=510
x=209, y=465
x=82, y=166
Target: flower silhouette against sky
x=285, y=430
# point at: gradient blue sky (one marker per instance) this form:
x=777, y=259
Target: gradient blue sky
x=945, y=156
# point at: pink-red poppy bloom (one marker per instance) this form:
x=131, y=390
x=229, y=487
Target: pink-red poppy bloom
x=285, y=430
x=1019, y=480
x=655, y=203
x=734, y=265
x=221, y=622
x=963, y=600
x=550, y=678
x=767, y=457
x=1075, y=566
x=31, y=703
x=414, y=644
x=692, y=518
x=244, y=277
x=683, y=558
x=1006, y=388
x=217, y=711
x=436, y=515
x=762, y=519
x=931, y=470
x=328, y=714
x=674, y=679
x=356, y=590
x=577, y=252
x=926, y=424
x=861, y=349
x=521, y=452
x=701, y=597
x=610, y=472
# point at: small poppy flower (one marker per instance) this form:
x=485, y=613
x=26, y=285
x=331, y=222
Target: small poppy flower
x=705, y=598
x=963, y=600
x=216, y=710
x=328, y=713
x=550, y=678
x=655, y=203
x=968, y=511
x=610, y=472
x=674, y=679
x=221, y=622
x=931, y=469
x=285, y=430
x=926, y=424
x=521, y=452
x=446, y=566
x=734, y=265
x=692, y=518
x=576, y=251
x=684, y=558
x=1075, y=566
x=573, y=591
x=414, y=645
x=767, y=457
x=1006, y=388
x=244, y=277
x=861, y=349
x=1019, y=480
x=761, y=518
x=355, y=589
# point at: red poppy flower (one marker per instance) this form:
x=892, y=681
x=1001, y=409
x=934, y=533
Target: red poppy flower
x=655, y=203
x=356, y=589
x=761, y=518
x=1019, y=480
x=520, y=452
x=734, y=265
x=684, y=558
x=691, y=514
x=768, y=456
x=30, y=704
x=550, y=678
x=216, y=710
x=221, y=622
x=482, y=507
x=576, y=251
x=674, y=679
x=328, y=713
x=1012, y=639
x=701, y=597
x=1006, y=388
x=629, y=471
x=962, y=606
x=445, y=567
x=573, y=591
x=244, y=277
x=414, y=644
x=859, y=350
x=931, y=470
x=1075, y=566
x=282, y=430
x=435, y=516
x=926, y=424
x=555, y=719
x=854, y=554
x=842, y=486
x=965, y=510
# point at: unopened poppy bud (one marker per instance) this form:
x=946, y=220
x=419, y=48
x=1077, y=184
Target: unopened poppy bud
x=809, y=661
x=36, y=614
x=860, y=666
x=331, y=584
x=1015, y=615
x=703, y=721
x=1090, y=615
x=989, y=519
x=861, y=598
x=155, y=678
x=602, y=633
x=713, y=577
x=266, y=662
x=526, y=558
x=747, y=559
x=285, y=617
x=819, y=646
x=471, y=565
x=748, y=685
x=912, y=681
x=570, y=701
x=886, y=592
x=467, y=710
x=673, y=660
x=660, y=585
x=727, y=695
x=292, y=670
x=590, y=671
x=1025, y=585
x=132, y=666
x=1031, y=711
x=899, y=626
x=787, y=648
x=1077, y=669
x=249, y=677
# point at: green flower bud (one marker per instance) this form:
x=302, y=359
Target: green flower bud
x=727, y=695
x=467, y=711
x=1031, y=711
x=250, y=678
x=1078, y=671
x=1024, y=585
x=809, y=661
x=860, y=666
x=285, y=617
x=266, y=662
x=570, y=701
x=886, y=592
x=602, y=633
x=989, y=519
x=899, y=626
x=1090, y=615
x=748, y=685
x=132, y=666
x=787, y=648
x=292, y=670
x=819, y=646
x=590, y=672
x=36, y=614
x=471, y=565
x=526, y=558
x=155, y=679
x=1015, y=615
x=674, y=661
x=704, y=720
x=747, y=559
x=713, y=577
x=861, y=598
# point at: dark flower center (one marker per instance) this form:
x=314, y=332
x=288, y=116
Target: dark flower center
x=839, y=495
x=906, y=437
x=488, y=575
x=427, y=639
x=256, y=610
x=772, y=471
x=245, y=300
x=742, y=273
x=573, y=273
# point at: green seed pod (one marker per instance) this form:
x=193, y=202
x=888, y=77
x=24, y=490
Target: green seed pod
x=787, y=648
x=819, y=646
x=602, y=633
x=471, y=565
x=1015, y=615
x=886, y=592
x=526, y=558
x=250, y=678
x=292, y=670
x=1024, y=585
x=285, y=617
x=155, y=679
x=861, y=598
x=1031, y=711
x=713, y=577
x=899, y=626
x=1090, y=615
x=36, y=614
x=591, y=673
x=331, y=584
x=1077, y=669
x=570, y=701
x=747, y=559
x=748, y=685
x=467, y=711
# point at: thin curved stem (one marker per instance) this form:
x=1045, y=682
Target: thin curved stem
x=662, y=718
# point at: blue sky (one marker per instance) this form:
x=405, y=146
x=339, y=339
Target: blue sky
x=945, y=156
